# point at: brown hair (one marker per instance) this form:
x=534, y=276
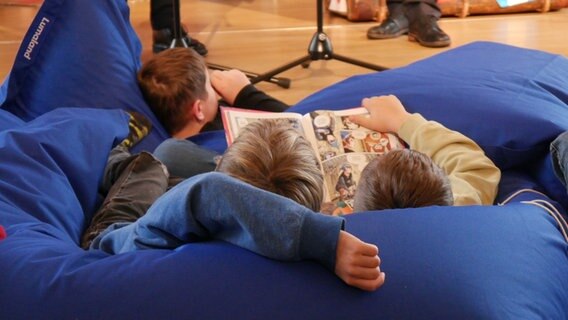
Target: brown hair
x=402, y=179
x=170, y=81
x=271, y=155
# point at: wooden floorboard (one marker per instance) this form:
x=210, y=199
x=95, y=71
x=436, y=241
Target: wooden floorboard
x=257, y=36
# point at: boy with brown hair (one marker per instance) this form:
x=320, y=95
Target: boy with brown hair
x=176, y=85
x=442, y=167
x=241, y=211
x=183, y=95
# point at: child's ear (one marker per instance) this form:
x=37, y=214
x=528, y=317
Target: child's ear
x=197, y=110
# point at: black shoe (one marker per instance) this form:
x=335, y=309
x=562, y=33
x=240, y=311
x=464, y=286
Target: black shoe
x=392, y=27
x=427, y=32
x=162, y=40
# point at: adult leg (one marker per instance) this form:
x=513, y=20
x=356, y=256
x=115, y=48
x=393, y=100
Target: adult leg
x=161, y=19
x=423, y=16
x=184, y=158
x=395, y=25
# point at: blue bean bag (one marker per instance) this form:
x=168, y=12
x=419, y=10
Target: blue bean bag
x=59, y=118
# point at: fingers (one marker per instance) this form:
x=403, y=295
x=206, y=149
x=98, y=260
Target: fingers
x=368, y=121
x=368, y=285
x=364, y=267
x=365, y=273
x=216, y=77
x=369, y=261
x=368, y=249
x=368, y=279
x=228, y=83
x=361, y=120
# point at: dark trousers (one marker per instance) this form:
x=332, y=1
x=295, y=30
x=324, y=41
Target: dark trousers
x=131, y=183
x=161, y=14
x=559, y=153
x=414, y=9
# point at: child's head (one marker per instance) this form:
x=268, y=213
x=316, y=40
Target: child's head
x=271, y=155
x=402, y=179
x=175, y=84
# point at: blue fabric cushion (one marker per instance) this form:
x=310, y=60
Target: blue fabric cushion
x=8, y=120
x=49, y=174
x=79, y=54
x=494, y=263
x=441, y=262
x=511, y=101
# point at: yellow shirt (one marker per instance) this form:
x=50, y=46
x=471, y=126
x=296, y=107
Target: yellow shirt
x=473, y=176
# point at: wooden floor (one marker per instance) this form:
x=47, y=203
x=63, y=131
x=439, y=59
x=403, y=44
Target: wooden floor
x=259, y=35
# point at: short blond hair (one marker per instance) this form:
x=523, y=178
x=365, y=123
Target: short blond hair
x=170, y=81
x=271, y=155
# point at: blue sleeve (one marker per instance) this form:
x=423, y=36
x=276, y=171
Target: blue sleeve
x=216, y=206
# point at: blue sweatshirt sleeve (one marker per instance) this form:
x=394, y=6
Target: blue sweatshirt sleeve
x=216, y=206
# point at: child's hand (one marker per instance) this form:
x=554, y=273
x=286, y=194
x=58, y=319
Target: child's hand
x=229, y=83
x=357, y=263
x=386, y=114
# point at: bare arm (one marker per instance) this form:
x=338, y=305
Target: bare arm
x=236, y=89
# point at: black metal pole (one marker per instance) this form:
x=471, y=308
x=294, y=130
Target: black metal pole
x=179, y=41
x=319, y=48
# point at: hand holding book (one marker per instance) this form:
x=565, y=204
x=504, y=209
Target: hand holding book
x=387, y=114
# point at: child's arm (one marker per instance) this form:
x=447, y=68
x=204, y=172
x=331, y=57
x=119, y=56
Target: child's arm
x=473, y=176
x=229, y=83
x=235, y=88
x=216, y=206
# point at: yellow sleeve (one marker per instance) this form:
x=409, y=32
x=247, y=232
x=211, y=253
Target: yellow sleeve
x=473, y=176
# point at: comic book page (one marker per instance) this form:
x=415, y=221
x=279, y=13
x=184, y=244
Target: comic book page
x=235, y=119
x=344, y=149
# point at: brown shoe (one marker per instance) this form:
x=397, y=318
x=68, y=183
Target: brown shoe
x=428, y=34
x=392, y=27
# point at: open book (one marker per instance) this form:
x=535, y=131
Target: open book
x=343, y=147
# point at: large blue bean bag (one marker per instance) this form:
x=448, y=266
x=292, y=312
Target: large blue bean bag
x=506, y=261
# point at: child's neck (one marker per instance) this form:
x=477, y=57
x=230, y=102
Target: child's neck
x=189, y=130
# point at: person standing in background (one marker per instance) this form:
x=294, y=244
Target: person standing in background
x=161, y=19
x=417, y=18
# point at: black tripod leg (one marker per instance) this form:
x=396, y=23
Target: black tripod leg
x=282, y=82
x=179, y=41
x=272, y=73
x=358, y=62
